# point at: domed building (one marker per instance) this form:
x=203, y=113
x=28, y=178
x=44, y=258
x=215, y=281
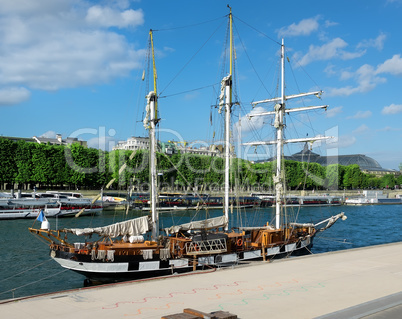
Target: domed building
x=366, y=163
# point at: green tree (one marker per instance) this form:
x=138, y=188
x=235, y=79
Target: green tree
x=295, y=174
x=399, y=181
x=353, y=176
x=334, y=176
x=267, y=176
x=40, y=169
x=78, y=163
x=388, y=181
x=371, y=181
x=8, y=167
x=23, y=160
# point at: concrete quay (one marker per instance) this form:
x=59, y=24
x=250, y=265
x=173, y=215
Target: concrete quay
x=357, y=283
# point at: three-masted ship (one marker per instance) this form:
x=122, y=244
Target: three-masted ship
x=121, y=251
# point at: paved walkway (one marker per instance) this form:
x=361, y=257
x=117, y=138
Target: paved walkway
x=344, y=284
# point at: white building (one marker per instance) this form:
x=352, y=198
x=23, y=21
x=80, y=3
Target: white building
x=59, y=140
x=133, y=143
x=208, y=151
x=172, y=147
x=48, y=140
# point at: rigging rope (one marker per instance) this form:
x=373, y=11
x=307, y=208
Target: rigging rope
x=185, y=179
x=252, y=65
x=189, y=91
x=190, y=25
x=260, y=32
x=186, y=64
x=33, y=282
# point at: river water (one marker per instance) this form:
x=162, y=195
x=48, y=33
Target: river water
x=27, y=269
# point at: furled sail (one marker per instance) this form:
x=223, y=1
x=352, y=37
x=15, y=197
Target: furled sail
x=330, y=221
x=148, y=111
x=222, y=94
x=210, y=223
x=132, y=227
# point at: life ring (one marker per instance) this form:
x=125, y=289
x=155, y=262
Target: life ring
x=239, y=242
x=196, y=248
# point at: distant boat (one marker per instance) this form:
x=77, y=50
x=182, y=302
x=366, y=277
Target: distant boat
x=27, y=208
x=372, y=198
x=121, y=252
x=52, y=203
x=192, y=202
x=269, y=200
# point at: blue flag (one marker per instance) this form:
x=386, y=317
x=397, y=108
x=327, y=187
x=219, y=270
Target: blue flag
x=41, y=216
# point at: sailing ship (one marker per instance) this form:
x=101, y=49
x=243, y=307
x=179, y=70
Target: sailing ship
x=122, y=253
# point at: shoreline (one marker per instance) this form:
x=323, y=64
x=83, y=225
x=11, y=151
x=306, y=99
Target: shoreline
x=339, y=193
x=327, y=285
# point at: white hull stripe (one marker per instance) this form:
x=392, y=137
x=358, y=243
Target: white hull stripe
x=110, y=267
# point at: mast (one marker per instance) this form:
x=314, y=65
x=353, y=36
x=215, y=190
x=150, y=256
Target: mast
x=155, y=76
x=153, y=121
x=228, y=105
x=279, y=112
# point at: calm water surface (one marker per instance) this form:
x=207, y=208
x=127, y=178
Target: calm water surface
x=27, y=269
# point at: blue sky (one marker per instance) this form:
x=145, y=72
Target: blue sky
x=74, y=67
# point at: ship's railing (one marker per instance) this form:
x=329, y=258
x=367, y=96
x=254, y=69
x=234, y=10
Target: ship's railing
x=211, y=246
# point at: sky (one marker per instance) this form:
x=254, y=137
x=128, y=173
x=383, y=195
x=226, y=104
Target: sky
x=74, y=67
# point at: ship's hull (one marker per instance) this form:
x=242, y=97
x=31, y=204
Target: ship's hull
x=124, y=268
x=13, y=213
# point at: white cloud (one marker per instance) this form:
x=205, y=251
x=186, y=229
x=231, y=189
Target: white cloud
x=377, y=43
x=109, y=17
x=393, y=1
x=49, y=134
x=366, y=78
x=254, y=123
x=392, y=66
x=334, y=111
x=191, y=96
x=121, y=4
x=342, y=141
x=346, y=75
x=304, y=27
x=388, y=129
x=49, y=45
x=330, y=50
x=105, y=143
x=345, y=91
x=362, y=129
x=13, y=95
x=361, y=115
x=330, y=69
x=78, y=59
x=29, y=7
x=392, y=109
x=330, y=23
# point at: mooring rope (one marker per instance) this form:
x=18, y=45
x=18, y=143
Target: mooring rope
x=33, y=282
x=20, y=273
x=335, y=240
